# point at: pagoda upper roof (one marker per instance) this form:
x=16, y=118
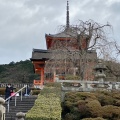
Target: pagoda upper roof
x=67, y=33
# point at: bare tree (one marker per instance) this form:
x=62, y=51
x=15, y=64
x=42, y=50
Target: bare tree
x=111, y=58
x=113, y=70
x=78, y=47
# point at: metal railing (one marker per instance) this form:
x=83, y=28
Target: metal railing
x=14, y=95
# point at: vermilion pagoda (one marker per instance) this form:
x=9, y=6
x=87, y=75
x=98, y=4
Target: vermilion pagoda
x=40, y=56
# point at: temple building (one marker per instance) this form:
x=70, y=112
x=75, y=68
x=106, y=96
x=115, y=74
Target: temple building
x=62, y=56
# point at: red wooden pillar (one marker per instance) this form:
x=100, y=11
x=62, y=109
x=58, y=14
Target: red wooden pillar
x=42, y=76
x=39, y=69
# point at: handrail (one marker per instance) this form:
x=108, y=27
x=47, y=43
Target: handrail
x=8, y=99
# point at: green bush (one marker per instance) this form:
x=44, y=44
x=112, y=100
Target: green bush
x=74, y=97
x=2, y=91
x=83, y=109
x=111, y=112
x=76, y=104
x=94, y=108
x=69, y=116
x=55, y=84
x=106, y=100
x=105, y=97
x=72, y=77
x=98, y=105
x=98, y=118
x=35, y=92
x=116, y=95
x=117, y=103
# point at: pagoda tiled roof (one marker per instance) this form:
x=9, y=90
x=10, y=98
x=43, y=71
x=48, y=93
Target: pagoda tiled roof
x=43, y=55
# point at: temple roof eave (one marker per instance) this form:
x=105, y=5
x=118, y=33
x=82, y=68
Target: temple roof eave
x=60, y=35
x=43, y=59
x=40, y=54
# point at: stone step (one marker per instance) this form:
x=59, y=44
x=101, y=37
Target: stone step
x=21, y=106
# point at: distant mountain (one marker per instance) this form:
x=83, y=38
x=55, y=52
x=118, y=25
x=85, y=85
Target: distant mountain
x=19, y=72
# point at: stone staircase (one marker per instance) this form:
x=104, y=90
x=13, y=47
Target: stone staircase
x=21, y=106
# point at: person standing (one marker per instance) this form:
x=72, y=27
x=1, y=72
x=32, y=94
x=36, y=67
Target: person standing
x=8, y=91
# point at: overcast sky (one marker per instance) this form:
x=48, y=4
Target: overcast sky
x=23, y=23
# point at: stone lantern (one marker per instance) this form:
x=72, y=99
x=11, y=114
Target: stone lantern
x=100, y=74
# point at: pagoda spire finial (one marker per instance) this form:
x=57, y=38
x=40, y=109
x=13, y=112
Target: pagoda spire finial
x=67, y=16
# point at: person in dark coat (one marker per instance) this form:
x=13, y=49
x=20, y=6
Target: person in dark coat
x=8, y=91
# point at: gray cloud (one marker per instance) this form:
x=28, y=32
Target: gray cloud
x=23, y=23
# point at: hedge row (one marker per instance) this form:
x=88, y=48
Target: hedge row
x=34, y=91
x=47, y=106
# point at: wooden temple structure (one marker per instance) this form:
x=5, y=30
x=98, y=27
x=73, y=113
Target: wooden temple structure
x=40, y=57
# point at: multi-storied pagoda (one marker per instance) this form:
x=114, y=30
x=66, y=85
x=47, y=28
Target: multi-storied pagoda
x=58, y=42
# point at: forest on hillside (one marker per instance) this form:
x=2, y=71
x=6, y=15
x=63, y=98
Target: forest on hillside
x=23, y=72
x=17, y=72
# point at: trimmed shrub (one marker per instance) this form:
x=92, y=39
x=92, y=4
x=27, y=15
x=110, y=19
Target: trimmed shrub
x=94, y=108
x=111, y=112
x=100, y=104
x=76, y=96
x=35, y=92
x=98, y=118
x=105, y=98
x=117, y=103
x=2, y=91
x=55, y=84
x=116, y=95
x=69, y=116
x=47, y=106
x=48, y=90
x=76, y=103
x=72, y=77
x=83, y=109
